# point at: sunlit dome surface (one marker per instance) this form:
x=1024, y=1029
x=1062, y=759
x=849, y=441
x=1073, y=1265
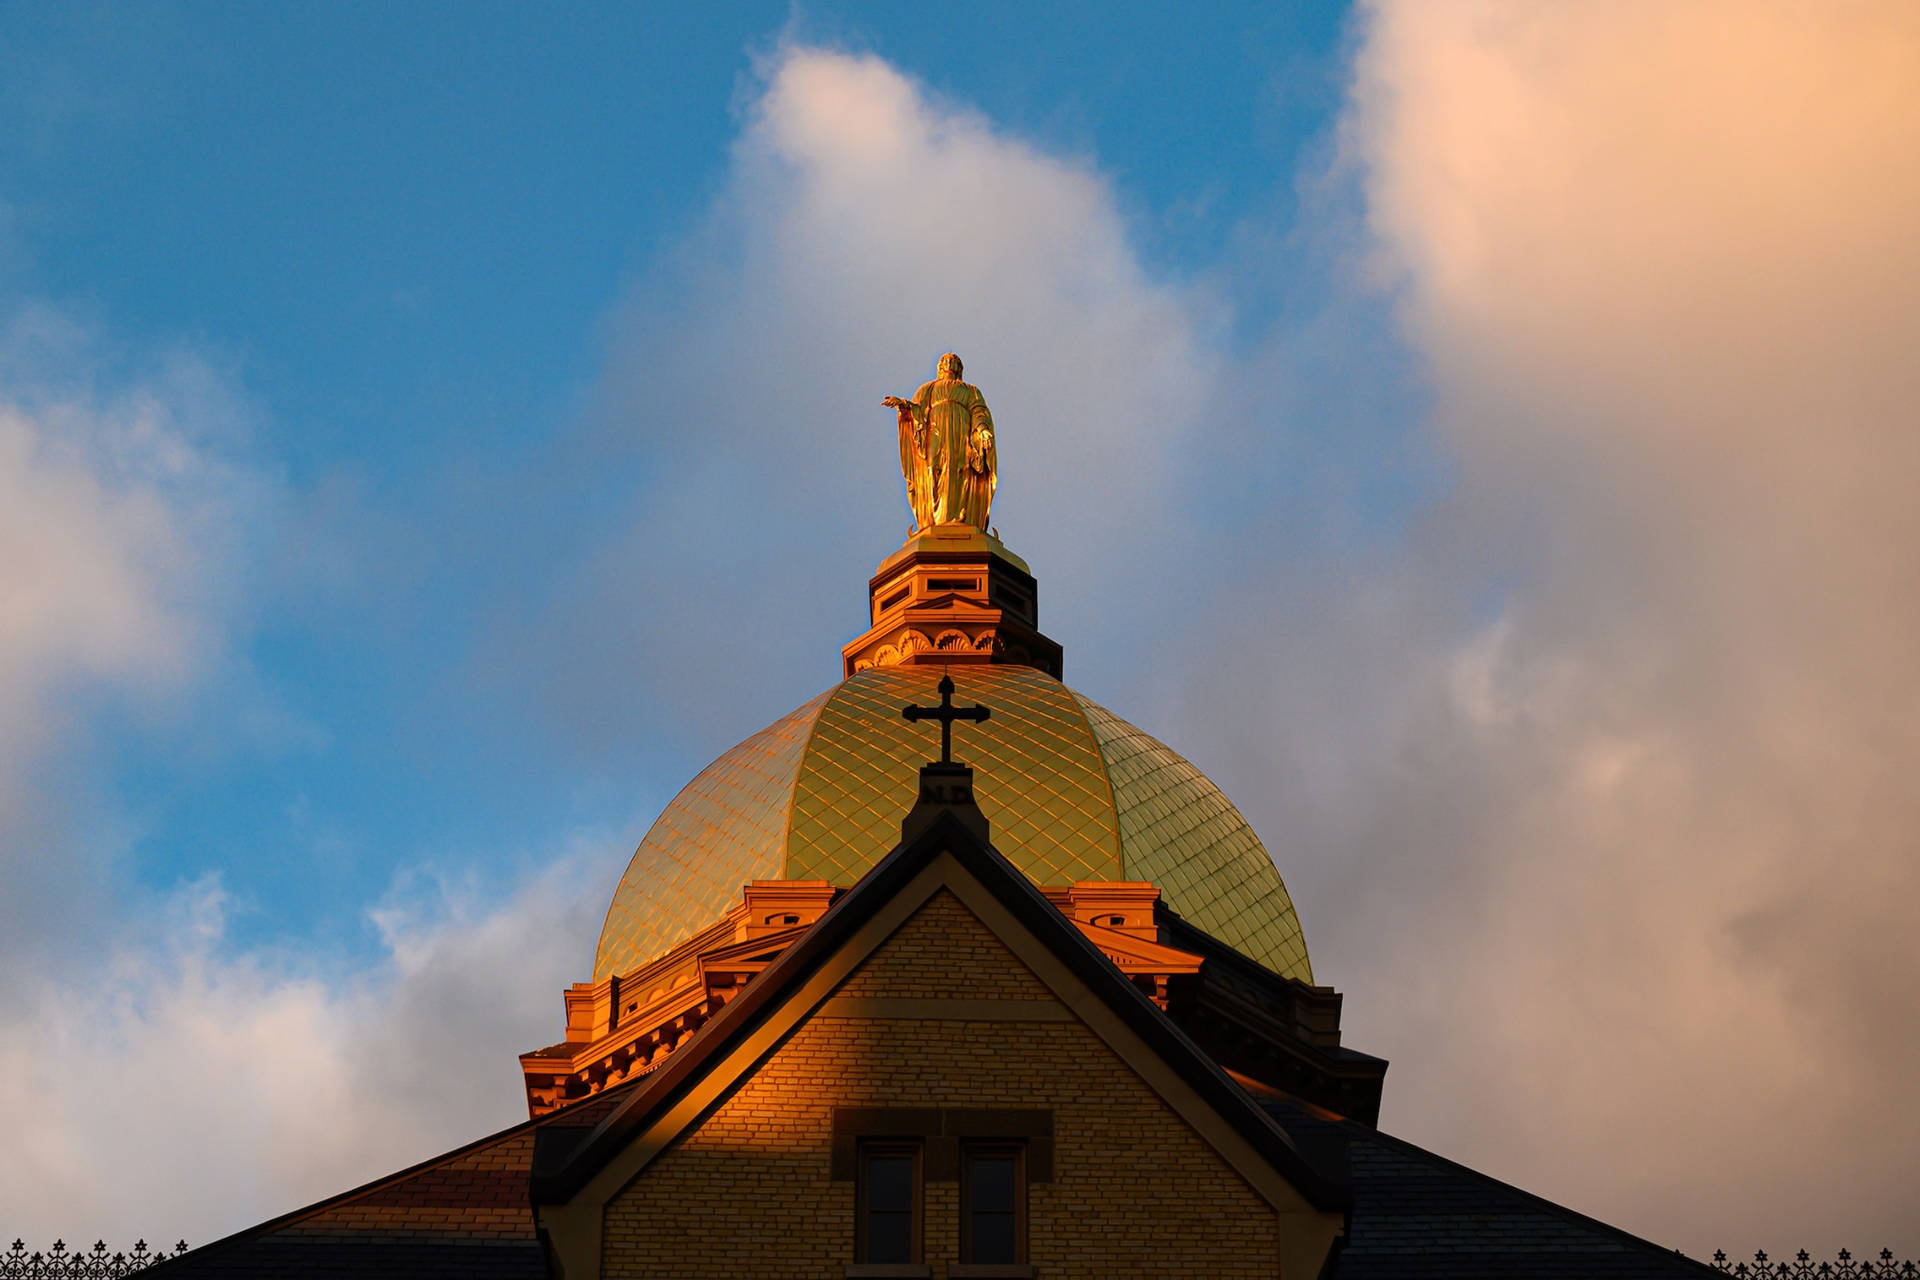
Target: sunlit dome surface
x=1072, y=792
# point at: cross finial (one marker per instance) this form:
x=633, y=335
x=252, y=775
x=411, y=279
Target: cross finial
x=946, y=713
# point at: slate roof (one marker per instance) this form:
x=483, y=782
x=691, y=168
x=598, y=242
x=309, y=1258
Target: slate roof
x=1419, y=1216
x=465, y=1213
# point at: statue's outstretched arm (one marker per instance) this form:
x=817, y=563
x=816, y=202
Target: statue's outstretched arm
x=912, y=407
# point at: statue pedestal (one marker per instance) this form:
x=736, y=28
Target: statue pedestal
x=952, y=596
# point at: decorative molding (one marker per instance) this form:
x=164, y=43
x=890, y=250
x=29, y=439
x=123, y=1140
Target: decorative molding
x=1272, y=1031
x=627, y=1026
x=945, y=599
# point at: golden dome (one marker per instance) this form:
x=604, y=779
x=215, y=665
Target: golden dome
x=1072, y=791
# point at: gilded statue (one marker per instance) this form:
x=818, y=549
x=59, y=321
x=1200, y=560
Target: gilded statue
x=947, y=452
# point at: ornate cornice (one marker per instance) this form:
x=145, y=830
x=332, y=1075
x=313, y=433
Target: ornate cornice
x=1278, y=1032
x=950, y=597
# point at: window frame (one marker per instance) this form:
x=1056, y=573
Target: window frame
x=865, y=1149
x=1016, y=1148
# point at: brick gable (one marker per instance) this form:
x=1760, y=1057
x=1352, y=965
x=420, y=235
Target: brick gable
x=944, y=951
x=1135, y=1190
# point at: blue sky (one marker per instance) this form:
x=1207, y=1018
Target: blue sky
x=426, y=439
x=398, y=234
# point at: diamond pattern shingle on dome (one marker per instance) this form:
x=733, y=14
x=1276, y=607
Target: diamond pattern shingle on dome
x=1037, y=775
x=727, y=826
x=1181, y=832
x=1072, y=791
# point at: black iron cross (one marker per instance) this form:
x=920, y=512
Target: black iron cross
x=946, y=713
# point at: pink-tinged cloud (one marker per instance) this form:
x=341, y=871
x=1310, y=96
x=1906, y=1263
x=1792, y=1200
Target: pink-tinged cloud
x=1660, y=262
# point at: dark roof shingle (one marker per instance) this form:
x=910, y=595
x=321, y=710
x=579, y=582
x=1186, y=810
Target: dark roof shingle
x=1419, y=1216
x=465, y=1213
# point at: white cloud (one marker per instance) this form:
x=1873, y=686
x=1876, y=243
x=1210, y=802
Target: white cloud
x=125, y=508
x=101, y=502
x=186, y=1088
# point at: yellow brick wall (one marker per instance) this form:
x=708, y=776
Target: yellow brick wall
x=1135, y=1193
x=944, y=952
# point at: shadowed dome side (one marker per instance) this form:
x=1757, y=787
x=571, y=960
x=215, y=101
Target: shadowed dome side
x=1072, y=792
x=1181, y=832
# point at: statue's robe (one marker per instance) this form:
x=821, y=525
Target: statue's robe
x=954, y=412
x=983, y=473
x=913, y=465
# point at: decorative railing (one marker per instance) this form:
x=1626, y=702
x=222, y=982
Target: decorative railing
x=1844, y=1267
x=62, y=1263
